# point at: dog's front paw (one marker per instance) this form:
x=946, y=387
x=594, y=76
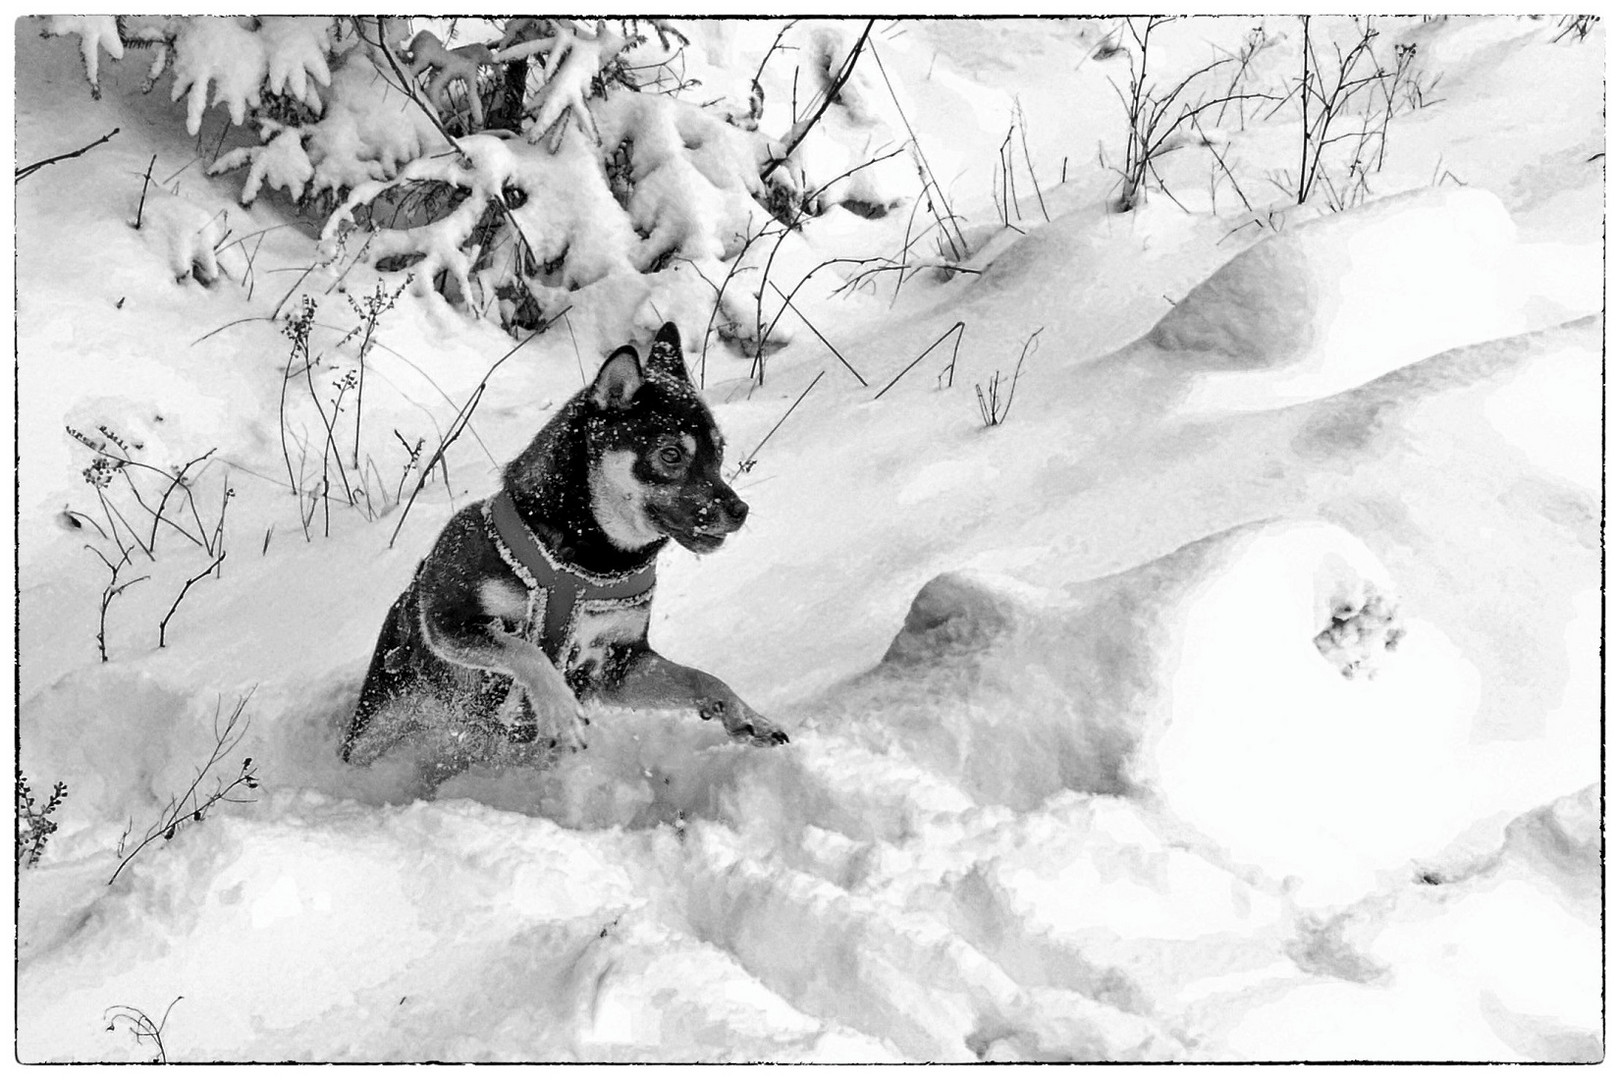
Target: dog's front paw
x=569, y=723
x=743, y=723
x=556, y=722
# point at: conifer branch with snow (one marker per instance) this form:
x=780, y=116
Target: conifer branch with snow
x=617, y=173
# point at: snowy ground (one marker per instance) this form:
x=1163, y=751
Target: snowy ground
x=1236, y=699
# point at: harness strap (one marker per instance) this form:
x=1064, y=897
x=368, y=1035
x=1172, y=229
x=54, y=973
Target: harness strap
x=562, y=585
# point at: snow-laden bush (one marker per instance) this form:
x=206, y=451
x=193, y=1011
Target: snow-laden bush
x=536, y=158
x=531, y=224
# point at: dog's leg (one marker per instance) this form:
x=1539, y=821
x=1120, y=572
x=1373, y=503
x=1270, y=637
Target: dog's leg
x=485, y=644
x=365, y=740
x=650, y=681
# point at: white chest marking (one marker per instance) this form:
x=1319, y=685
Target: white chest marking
x=505, y=600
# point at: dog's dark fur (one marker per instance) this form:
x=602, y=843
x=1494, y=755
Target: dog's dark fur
x=459, y=671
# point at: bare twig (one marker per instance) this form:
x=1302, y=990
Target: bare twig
x=719, y=297
x=459, y=424
x=762, y=333
x=1023, y=135
x=819, y=335
x=163, y=627
x=848, y=173
x=329, y=452
x=1148, y=114
x=189, y=806
x=748, y=462
x=31, y=169
x=140, y=208
x=959, y=246
x=827, y=99
x=758, y=368
x=812, y=273
x=992, y=409
x=111, y=593
x=141, y=1025
x=179, y=481
x=297, y=330
x=777, y=44
x=957, y=328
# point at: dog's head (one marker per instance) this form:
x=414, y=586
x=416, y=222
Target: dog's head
x=655, y=453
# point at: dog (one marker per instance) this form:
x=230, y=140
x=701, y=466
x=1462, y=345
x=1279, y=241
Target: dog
x=534, y=603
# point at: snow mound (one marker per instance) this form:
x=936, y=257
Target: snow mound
x=1310, y=729
x=1500, y=960
x=186, y=233
x=1345, y=298
x=1265, y=667
x=989, y=684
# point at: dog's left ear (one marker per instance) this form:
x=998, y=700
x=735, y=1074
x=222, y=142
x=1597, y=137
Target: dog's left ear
x=665, y=355
x=618, y=380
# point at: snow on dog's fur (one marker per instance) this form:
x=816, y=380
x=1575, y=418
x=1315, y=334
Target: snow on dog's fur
x=535, y=602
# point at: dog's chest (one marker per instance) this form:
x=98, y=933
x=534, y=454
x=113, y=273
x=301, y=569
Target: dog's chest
x=579, y=632
x=581, y=621
x=599, y=629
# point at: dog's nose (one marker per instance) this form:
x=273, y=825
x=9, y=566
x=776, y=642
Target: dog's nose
x=735, y=509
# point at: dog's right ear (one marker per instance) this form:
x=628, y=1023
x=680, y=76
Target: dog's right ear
x=618, y=380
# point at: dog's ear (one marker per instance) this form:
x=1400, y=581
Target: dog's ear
x=665, y=354
x=618, y=380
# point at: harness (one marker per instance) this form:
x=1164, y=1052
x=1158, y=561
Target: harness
x=559, y=592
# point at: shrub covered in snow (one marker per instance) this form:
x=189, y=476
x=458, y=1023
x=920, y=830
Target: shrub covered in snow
x=536, y=158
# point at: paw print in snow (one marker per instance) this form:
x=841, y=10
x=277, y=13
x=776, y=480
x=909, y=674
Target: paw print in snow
x=1362, y=630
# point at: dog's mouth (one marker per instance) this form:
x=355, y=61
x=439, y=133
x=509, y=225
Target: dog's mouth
x=700, y=541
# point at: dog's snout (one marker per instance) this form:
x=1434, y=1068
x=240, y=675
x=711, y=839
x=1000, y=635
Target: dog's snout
x=721, y=512
x=731, y=511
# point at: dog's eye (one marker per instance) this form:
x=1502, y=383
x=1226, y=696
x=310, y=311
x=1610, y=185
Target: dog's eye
x=671, y=455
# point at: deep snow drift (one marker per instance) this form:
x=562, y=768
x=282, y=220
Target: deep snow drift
x=1236, y=699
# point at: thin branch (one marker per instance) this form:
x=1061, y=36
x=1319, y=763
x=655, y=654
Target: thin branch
x=177, y=813
x=463, y=416
x=140, y=209
x=959, y=246
x=819, y=335
x=851, y=172
x=31, y=169
x=163, y=626
x=1023, y=135
x=827, y=99
x=748, y=462
x=956, y=328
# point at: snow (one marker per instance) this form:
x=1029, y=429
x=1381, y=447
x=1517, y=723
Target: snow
x=96, y=32
x=217, y=51
x=573, y=61
x=187, y=234
x=693, y=176
x=1341, y=300
x=1257, y=713
x=295, y=56
x=281, y=162
x=1235, y=699
x=366, y=132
